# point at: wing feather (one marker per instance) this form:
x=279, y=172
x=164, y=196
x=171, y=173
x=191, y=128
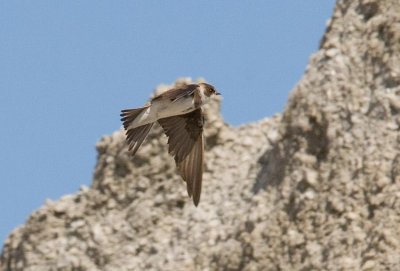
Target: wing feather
x=186, y=145
x=177, y=93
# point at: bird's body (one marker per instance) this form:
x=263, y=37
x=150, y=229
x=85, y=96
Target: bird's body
x=179, y=112
x=160, y=108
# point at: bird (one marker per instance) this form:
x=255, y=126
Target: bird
x=180, y=114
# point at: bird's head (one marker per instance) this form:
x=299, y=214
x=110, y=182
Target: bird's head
x=209, y=90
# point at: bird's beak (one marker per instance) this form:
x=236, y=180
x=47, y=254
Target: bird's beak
x=217, y=93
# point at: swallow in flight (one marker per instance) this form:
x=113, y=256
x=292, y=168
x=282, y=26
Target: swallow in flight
x=179, y=112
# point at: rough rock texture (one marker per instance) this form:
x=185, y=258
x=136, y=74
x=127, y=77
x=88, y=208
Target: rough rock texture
x=317, y=188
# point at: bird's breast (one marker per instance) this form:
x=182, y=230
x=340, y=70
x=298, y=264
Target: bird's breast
x=172, y=108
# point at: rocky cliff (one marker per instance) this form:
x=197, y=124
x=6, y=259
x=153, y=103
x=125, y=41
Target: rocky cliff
x=316, y=188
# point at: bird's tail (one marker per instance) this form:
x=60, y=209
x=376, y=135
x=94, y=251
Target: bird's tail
x=134, y=136
x=128, y=116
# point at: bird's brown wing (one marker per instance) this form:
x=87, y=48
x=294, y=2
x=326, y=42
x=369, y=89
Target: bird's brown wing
x=177, y=92
x=185, y=140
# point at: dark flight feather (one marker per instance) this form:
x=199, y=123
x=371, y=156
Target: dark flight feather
x=185, y=140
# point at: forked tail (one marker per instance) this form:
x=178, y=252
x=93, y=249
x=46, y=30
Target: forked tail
x=128, y=116
x=134, y=136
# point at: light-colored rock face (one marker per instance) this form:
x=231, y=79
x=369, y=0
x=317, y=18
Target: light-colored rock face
x=317, y=188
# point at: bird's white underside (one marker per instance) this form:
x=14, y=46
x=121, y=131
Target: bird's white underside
x=165, y=108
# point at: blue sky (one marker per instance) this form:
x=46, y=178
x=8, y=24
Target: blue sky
x=68, y=67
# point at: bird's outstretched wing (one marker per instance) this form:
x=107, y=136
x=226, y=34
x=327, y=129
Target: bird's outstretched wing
x=186, y=145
